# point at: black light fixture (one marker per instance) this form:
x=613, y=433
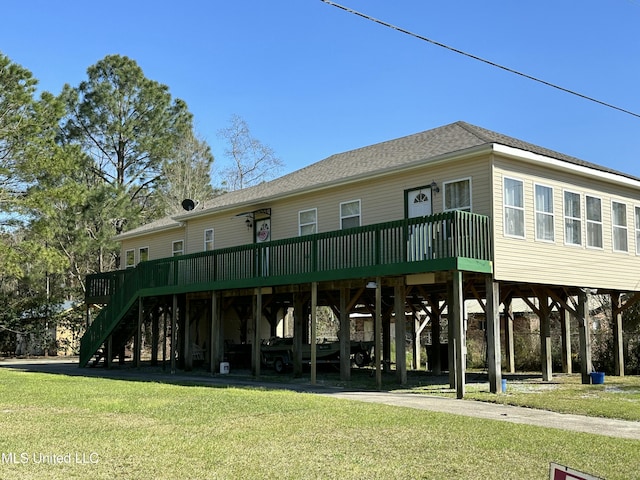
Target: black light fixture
x=434, y=187
x=248, y=223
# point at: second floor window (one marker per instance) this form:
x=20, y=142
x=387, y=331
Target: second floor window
x=594, y=222
x=513, y=207
x=129, y=259
x=572, y=219
x=457, y=195
x=143, y=254
x=308, y=222
x=178, y=248
x=544, y=213
x=208, y=239
x=619, y=221
x=350, y=214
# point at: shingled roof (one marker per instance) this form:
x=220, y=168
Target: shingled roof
x=372, y=159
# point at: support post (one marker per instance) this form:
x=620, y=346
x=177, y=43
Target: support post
x=494, y=356
x=215, y=355
x=436, y=316
x=456, y=312
x=401, y=332
x=298, y=315
x=378, y=333
x=618, y=344
x=508, y=335
x=155, y=335
x=314, y=332
x=186, y=337
x=565, y=332
x=164, y=337
x=545, y=338
x=584, y=326
x=415, y=336
x=137, y=339
x=451, y=344
x=257, y=313
x=174, y=333
x=108, y=347
x=345, y=337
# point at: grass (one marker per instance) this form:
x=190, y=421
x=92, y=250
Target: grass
x=137, y=429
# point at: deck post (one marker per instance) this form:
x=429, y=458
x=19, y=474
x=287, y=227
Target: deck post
x=155, y=334
x=508, y=335
x=137, y=339
x=456, y=315
x=298, y=315
x=436, y=316
x=345, y=337
x=494, y=356
x=565, y=333
x=174, y=333
x=215, y=334
x=545, y=338
x=451, y=344
x=164, y=337
x=618, y=344
x=314, y=329
x=257, y=312
x=108, y=352
x=377, y=329
x=188, y=353
x=401, y=332
x=584, y=328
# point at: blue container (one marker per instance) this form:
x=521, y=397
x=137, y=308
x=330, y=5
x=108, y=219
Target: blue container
x=597, y=378
x=504, y=385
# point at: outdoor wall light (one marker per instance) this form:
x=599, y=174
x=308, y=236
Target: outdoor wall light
x=248, y=223
x=372, y=285
x=434, y=187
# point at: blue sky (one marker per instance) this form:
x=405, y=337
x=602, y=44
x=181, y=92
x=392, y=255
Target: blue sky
x=312, y=80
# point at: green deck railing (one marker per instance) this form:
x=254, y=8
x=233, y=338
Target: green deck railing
x=446, y=241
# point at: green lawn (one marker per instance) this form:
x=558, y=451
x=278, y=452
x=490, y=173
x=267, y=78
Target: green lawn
x=133, y=429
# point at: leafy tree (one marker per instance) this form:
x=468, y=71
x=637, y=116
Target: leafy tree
x=251, y=161
x=128, y=125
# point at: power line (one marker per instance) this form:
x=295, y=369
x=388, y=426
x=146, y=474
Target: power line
x=483, y=60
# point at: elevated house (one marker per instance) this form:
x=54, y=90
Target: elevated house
x=415, y=224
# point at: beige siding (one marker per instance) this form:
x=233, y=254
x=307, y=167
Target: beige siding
x=159, y=244
x=535, y=261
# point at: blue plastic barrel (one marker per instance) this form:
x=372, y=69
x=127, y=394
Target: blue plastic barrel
x=597, y=378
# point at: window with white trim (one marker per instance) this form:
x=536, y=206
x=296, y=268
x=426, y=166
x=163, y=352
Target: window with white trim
x=208, y=239
x=308, y=221
x=619, y=223
x=513, y=207
x=545, y=219
x=177, y=248
x=143, y=254
x=594, y=221
x=637, y=230
x=457, y=195
x=350, y=214
x=572, y=218
x=130, y=258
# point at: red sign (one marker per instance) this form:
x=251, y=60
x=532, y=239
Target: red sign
x=559, y=472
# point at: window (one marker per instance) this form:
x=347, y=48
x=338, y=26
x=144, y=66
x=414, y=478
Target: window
x=594, y=222
x=308, y=222
x=208, y=239
x=129, y=259
x=619, y=221
x=637, y=230
x=178, y=248
x=457, y=195
x=513, y=208
x=350, y=214
x=143, y=254
x=572, y=219
x=544, y=213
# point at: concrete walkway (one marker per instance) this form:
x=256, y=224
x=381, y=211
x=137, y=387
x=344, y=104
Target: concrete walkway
x=469, y=408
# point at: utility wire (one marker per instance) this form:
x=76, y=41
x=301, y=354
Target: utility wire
x=483, y=60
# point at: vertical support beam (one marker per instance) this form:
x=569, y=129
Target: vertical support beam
x=618, y=344
x=314, y=334
x=345, y=337
x=378, y=333
x=174, y=332
x=545, y=338
x=155, y=334
x=494, y=356
x=215, y=337
x=415, y=336
x=257, y=313
x=186, y=337
x=451, y=335
x=137, y=339
x=401, y=332
x=436, y=317
x=584, y=328
x=456, y=315
x=565, y=332
x=298, y=316
x=164, y=337
x=508, y=335
x=108, y=358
